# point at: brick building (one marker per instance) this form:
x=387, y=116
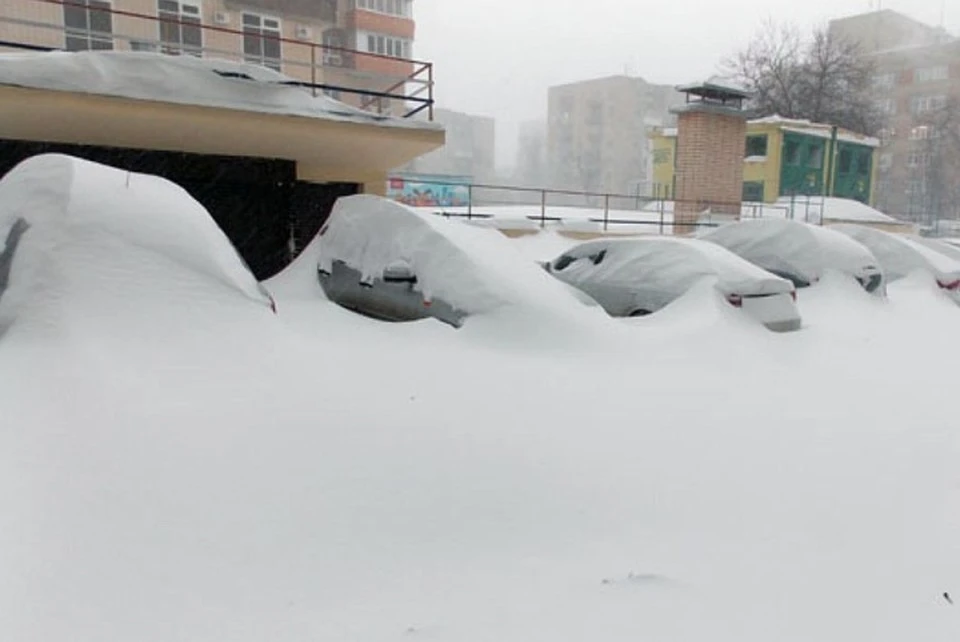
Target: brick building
x=917, y=82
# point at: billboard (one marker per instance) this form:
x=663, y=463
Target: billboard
x=426, y=190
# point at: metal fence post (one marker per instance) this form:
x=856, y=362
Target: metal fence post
x=469, y=201
x=543, y=208
x=313, y=69
x=606, y=211
x=661, y=208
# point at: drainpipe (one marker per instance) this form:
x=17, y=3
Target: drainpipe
x=828, y=183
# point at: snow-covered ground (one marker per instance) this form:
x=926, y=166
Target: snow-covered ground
x=179, y=464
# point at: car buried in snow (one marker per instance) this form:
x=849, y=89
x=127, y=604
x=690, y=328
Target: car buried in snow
x=387, y=261
x=901, y=255
x=639, y=276
x=799, y=252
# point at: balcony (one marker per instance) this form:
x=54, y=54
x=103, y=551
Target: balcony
x=376, y=82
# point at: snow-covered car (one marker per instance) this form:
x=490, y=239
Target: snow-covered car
x=385, y=260
x=799, y=252
x=900, y=255
x=638, y=276
x=78, y=230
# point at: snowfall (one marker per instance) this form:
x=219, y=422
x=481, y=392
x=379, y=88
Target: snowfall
x=180, y=464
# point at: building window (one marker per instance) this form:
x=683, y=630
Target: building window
x=791, y=152
x=400, y=8
x=756, y=145
x=884, y=81
x=261, y=40
x=886, y=106
x=753, y=191
x=931, y=74
x=88, y=25
x=386, y=45
x=923, y=104
x=919, y=160
x=180, y=30
x=815, y=156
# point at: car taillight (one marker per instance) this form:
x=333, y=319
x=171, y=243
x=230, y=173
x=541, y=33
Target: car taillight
x=427, y=303
x=793, y=294
x=952, y=286
x=735, y=300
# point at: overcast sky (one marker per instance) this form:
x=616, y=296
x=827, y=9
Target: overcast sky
x=497, y=57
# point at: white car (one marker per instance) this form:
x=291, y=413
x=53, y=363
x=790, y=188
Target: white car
x=638, y=276
x=899, y=255
x=799, y=251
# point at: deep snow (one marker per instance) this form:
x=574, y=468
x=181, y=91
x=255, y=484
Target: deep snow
x=214, y=472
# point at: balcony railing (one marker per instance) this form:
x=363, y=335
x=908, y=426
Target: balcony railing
x=378, y=83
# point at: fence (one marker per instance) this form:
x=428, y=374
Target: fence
x=509, y=206
x=385, y=84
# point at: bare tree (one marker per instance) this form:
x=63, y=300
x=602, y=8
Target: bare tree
x=822, y=78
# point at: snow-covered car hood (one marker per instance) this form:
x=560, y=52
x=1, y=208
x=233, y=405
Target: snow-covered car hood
x=668, y=264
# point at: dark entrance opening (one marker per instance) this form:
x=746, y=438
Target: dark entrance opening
x=267, y=213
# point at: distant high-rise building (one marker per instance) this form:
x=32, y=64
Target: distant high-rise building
x=531, y=161
x=470, y=150
x=597, y=133
x=917, y=85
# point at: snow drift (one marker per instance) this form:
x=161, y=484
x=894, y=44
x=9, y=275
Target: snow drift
x=94, y=232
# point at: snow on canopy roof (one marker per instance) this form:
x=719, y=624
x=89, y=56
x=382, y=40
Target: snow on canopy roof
x=900, y=255
x=667, y=261
x=792, y=247
x=823, y=130
x=474, y=269
x=833, y=208
x=99, y=231
x=183, y=80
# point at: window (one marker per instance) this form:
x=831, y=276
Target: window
x=918, y=160
x=885, y=162
x=922, y=104
x=88, y=25
x=845, y=161
x=400, y=8
x=886, y=106
x=931, y=74
x=180, y=27
x=815, y=156
x=756, y=145
x=385, y=45
x=884, y=81
x=261, y=40
x=791, y=152
x=753, y=191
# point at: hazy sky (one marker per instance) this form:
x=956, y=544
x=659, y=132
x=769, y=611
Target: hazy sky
x=497, y=57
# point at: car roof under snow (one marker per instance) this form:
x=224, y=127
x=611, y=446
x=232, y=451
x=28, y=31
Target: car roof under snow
x=670, y=258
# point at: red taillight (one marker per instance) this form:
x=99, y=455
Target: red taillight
x=793, y=294
x=952, y=286
x=735, y=300
x=427, y=303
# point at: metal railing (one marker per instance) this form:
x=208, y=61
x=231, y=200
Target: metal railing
x=373, y=82
x=541, y=206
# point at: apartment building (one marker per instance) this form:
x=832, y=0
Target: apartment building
x=917, y=84
x=347, y=47
x=597, y=133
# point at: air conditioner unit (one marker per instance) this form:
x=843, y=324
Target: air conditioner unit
x=304, y=32
x=221, y=18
